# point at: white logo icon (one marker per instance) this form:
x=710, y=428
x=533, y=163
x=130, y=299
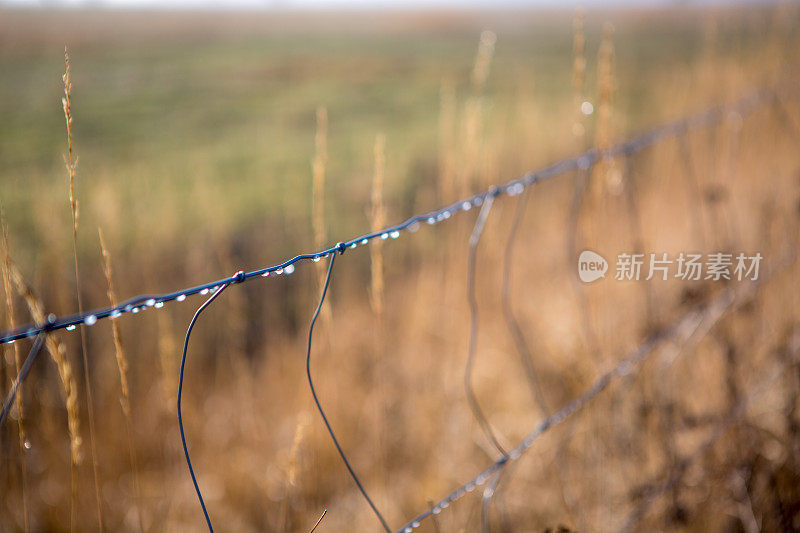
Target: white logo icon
x=591, y=266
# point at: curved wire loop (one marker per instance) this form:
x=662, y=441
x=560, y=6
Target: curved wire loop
x=341, y=248
x=525, y=355
x=237, y=278
x=474, y=239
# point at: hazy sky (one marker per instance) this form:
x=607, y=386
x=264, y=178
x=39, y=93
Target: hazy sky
x=359, y=4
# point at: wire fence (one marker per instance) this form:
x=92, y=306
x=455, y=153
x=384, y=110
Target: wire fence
x=709, y=117
x=694, y=323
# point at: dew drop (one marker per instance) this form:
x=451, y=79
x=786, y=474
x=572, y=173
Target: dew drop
x=353, y=245
x=415, y=524
x=316, y=259
x=265, y=275
x=90, y=320
x=115, y=314
x=431, y=220
x=150, y=303
x=289, y=269
x=135, y=310
x=466, y=206
x=384, y=236
x=68, y=328
x=181, y=297
x=436, y=510
x=128, y=308
x=364, y=241
x=395, y=234
x=27, y=445
x=159, y=305
x=413, y=227
x=204, y=292
x=279, y=272
x=408, y=530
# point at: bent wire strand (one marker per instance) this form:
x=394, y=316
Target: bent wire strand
x=340, y=248
x=237, y=278
x=521, y=345
x=682, y=126
x=683, y=327
x=23, y=373
x=524, y=352
x=480, y=224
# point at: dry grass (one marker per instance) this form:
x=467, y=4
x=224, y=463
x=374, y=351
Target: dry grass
x=377, y=223
x=57, y=351
x=11, y=324
x=71, y=162
x=390, y=372
x=122, y=365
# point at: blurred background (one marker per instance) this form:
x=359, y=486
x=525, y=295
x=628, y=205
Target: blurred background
x=208, y=139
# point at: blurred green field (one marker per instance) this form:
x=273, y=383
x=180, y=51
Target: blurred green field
x=166, y=121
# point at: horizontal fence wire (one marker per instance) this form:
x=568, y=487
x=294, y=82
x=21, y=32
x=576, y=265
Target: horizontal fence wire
x=682, y=126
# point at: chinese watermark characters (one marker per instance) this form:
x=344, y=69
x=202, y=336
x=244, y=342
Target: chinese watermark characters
x=661, y=266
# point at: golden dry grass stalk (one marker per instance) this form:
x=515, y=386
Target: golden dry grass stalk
x=167, y=350
x=607, y=176
x=318, y=197
x=378, y=221
x=122, y=361
x=12, y=323
x=58, y=353
x=473, y=126
x=579, y=75
x=578, y=55
x=70, y=160
x=318, y=187
x=447, y=119
x=71, y=163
